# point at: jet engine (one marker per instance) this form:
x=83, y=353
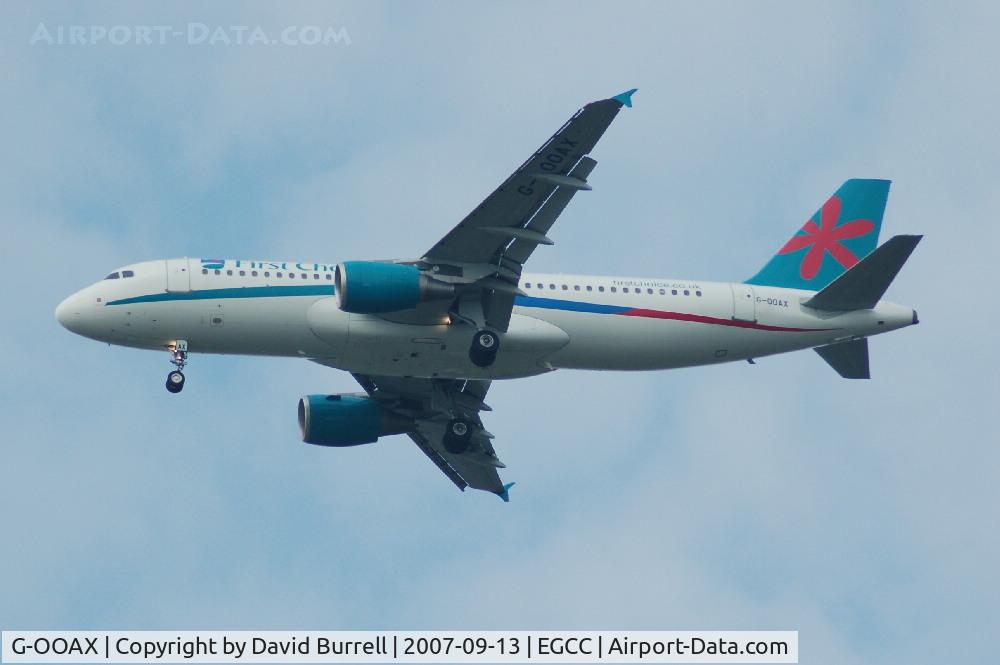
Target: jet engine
x=369, y=287
x=346, y=420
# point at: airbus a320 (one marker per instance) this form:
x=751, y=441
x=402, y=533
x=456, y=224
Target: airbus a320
x=424, y=337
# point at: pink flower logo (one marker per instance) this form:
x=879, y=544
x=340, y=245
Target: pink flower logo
x=827, y=237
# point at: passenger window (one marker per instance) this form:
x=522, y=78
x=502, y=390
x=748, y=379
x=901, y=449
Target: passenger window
x=305, y=276
x=565, y=288
x=649, y=291
x=673, y=292
x=576, y=287
x=590, y=288
x=253, y=273
x=329, y=277
x=277, y=274
x=315, y=276
x=624, y=290
x=601, y=289
x=243, y=273
x=527, y=285
x=113, y=275
x=229, y=272
x=686, y=292
x=267, y=273
x=663, y=292
x=218, y=272
x=552, y=286
x=204, y=271
x=291, y=275
x=614, y=290
x=698, y=293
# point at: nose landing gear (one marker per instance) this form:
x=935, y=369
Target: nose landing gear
x=175, y=381
x=178, y=356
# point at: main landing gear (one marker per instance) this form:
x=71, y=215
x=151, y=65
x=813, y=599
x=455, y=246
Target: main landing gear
x=457, y=436
x=485, y=344
x=178, y=356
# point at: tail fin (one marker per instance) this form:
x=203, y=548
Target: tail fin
x=841, y=233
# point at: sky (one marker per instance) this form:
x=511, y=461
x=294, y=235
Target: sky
x=772, y=496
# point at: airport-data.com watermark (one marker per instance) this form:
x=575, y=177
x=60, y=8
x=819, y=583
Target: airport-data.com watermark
x=190, y=34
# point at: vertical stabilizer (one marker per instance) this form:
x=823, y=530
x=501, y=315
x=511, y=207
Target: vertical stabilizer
x=841, y=233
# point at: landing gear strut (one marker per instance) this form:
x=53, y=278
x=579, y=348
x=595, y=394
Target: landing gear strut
x=178, y=356
x=485, y=344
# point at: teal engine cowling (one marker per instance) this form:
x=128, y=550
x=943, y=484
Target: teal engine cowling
x=371, y=287
x=346, y=420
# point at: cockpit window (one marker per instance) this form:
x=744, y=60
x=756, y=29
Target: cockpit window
x=113, y=275
x=127, y=273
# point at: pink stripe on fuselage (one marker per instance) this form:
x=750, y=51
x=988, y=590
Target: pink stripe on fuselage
x=697, y=318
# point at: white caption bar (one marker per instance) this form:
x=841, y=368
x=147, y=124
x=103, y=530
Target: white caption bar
x=734, y=646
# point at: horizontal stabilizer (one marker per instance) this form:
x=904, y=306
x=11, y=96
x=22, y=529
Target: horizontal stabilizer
x=848, y=359
x=863, y=285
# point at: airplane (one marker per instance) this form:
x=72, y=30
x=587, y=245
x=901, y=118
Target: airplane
x=425, y=337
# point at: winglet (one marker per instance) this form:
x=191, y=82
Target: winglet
x=626, y=97
x=505, y=493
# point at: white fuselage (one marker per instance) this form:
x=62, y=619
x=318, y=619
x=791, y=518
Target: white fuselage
x=565, y=321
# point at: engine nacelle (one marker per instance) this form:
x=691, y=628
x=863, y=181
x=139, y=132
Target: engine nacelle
x=346, y=420
x=369, y=287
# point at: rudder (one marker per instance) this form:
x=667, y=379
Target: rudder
x=841, y=233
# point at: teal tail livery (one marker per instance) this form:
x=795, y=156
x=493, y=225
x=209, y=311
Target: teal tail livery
x=841, y=233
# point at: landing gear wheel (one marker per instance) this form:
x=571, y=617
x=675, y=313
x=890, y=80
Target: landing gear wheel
x=457, y=436
x=178, y=357
x=485, y=344
x=175, y=381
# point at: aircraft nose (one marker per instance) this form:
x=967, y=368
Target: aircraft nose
x=68, y=313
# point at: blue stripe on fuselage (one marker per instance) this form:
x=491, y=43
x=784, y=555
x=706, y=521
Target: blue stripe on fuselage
x=328, y=290
x=238, y=292
x=521, y=301
x=568, y=305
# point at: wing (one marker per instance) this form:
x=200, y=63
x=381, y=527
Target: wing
x=431, y=404
x=489, y=247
